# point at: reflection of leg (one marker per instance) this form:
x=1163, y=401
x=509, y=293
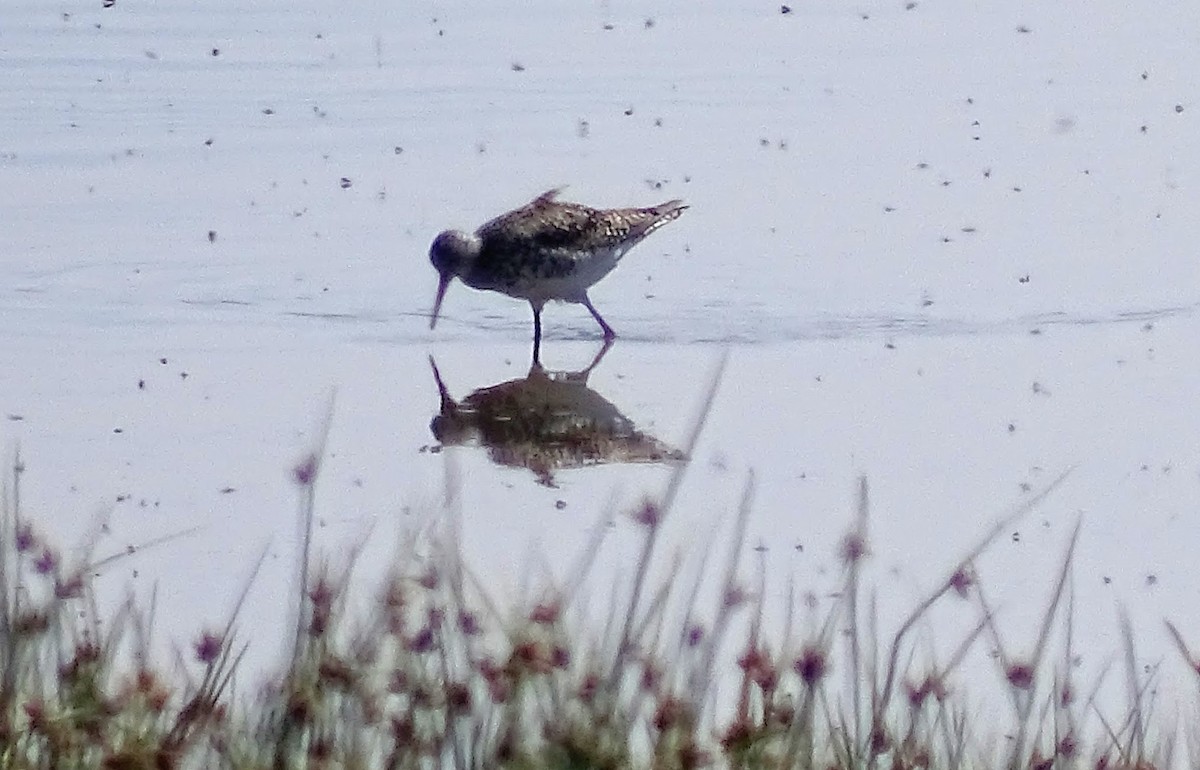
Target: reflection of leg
x=537, y=333
x=609, y=334
x=600, y=354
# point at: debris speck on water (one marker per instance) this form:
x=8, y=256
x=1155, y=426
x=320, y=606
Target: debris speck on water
x=304, y=473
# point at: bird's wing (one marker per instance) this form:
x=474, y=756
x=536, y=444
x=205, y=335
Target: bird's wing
x=547, y=196
x=543, y=223
x=551, y=225
x=530, y=209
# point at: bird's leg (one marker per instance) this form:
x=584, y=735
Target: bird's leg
x=609, y=334
x=537, y=334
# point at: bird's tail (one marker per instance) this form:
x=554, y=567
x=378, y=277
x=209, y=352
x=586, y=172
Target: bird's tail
x=655, y=217
x=669, y=210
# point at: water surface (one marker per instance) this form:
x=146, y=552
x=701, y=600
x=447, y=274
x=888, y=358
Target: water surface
x=948, y=248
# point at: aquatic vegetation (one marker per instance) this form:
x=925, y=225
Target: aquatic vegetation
x=438, y=673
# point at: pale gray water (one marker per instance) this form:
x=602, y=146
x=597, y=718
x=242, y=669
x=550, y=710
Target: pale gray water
x=942, y=252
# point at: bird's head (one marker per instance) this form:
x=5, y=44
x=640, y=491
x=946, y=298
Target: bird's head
x=451, y=254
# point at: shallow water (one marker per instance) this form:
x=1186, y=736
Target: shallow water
x=942, y=252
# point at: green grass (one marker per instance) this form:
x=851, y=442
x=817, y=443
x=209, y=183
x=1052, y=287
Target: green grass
x=437, y=673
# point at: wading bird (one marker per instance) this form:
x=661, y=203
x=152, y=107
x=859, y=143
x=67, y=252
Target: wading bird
x=546, y=250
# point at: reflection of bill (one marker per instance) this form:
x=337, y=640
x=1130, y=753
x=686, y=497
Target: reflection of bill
x=546, y=422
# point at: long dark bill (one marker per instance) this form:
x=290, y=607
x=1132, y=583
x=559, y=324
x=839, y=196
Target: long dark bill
x=443, y=284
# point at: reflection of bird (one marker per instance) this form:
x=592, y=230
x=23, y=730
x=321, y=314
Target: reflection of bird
x=547, y=249
x=545, y=422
